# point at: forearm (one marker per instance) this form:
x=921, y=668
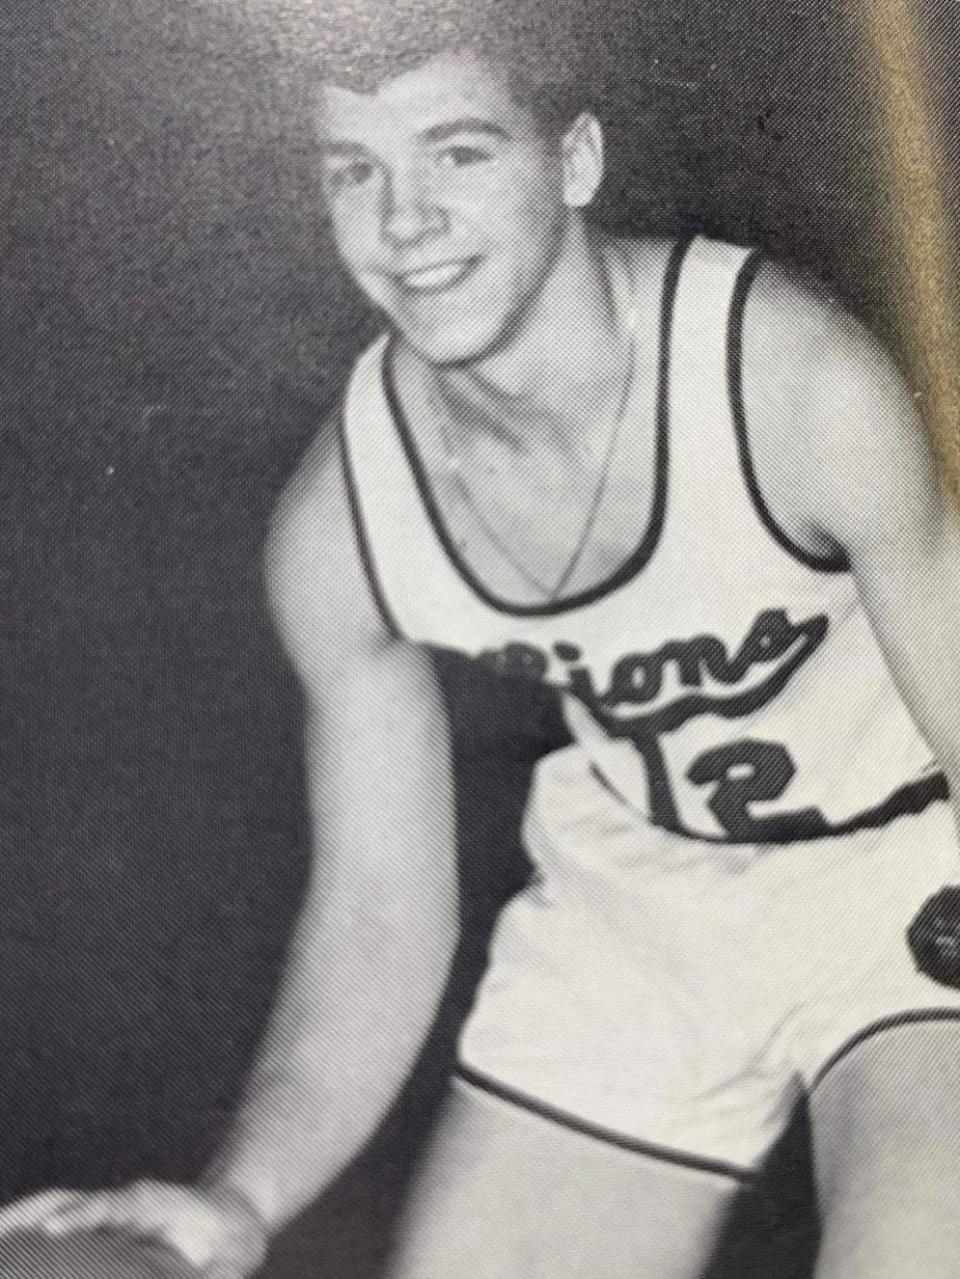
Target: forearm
x=371, y=953
x=315, y=1097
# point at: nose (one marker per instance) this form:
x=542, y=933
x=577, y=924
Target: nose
x=410, y=214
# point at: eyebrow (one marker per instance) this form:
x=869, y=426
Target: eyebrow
x=435, y=133
x=466, y=124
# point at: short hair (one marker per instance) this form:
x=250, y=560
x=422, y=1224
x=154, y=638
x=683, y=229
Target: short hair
x=360, y=44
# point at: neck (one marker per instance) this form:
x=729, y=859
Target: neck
x=530, y=393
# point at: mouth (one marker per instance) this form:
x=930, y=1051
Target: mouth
x=436, y=279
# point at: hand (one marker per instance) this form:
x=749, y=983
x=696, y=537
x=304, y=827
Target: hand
x=215, y=1229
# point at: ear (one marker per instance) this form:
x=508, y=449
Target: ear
x=581, y=149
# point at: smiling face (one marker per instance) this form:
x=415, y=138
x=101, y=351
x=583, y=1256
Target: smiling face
x=449, y=205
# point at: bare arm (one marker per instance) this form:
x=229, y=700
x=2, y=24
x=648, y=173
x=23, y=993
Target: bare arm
x=890, y=510
x=375, y=937
x=377, y=929
x=855, y=470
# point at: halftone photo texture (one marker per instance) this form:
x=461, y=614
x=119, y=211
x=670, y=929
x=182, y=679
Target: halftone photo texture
x=174, y=327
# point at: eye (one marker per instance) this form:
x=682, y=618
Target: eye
x=342, y=177
x=462, y=156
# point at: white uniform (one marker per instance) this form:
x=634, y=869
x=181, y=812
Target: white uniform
x=729, y=856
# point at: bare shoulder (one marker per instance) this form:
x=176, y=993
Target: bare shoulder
x=805, y=350
x=316, y=582
x=829, y=412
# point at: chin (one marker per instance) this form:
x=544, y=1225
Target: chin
x=452, y=344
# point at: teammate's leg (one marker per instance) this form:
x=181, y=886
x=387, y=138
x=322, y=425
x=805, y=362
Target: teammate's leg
x=506, y=1194
x=886, y=1137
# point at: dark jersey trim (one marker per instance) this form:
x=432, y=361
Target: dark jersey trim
x=640, y=557
x=612, y=1138
x=907, y=800
x=823, y=564
x=915, y=1018
x=363, y=541
x=910, y=799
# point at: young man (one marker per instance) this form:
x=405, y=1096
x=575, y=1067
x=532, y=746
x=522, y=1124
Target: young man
x=676, y=484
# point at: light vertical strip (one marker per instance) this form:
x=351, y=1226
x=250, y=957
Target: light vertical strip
x=920, y=254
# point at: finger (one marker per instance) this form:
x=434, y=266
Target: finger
x=127, y=1209
x=26, y=1213
x=85, y=1213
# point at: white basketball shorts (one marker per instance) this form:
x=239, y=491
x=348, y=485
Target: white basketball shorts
x=677, y=996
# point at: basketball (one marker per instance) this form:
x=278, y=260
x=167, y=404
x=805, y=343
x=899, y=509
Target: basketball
x=98, y=1254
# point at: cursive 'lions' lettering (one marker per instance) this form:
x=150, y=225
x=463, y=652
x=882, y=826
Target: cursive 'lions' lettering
x=637, y=680
x=651, y=694
x=518, y=659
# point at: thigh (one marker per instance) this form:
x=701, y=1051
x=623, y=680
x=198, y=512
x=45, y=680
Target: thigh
x=885, y=1124
x=507, y=1194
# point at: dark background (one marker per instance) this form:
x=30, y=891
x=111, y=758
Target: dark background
x=173, y=329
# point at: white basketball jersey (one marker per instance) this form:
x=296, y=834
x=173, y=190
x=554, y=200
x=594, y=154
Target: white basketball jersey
x=725, y=682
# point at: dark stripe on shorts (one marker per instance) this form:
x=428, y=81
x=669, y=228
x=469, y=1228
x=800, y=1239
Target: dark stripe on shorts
x=612, y=1138
x=915, y=1018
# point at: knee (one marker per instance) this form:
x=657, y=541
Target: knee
x=886, y=1157
x=888, y=1113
